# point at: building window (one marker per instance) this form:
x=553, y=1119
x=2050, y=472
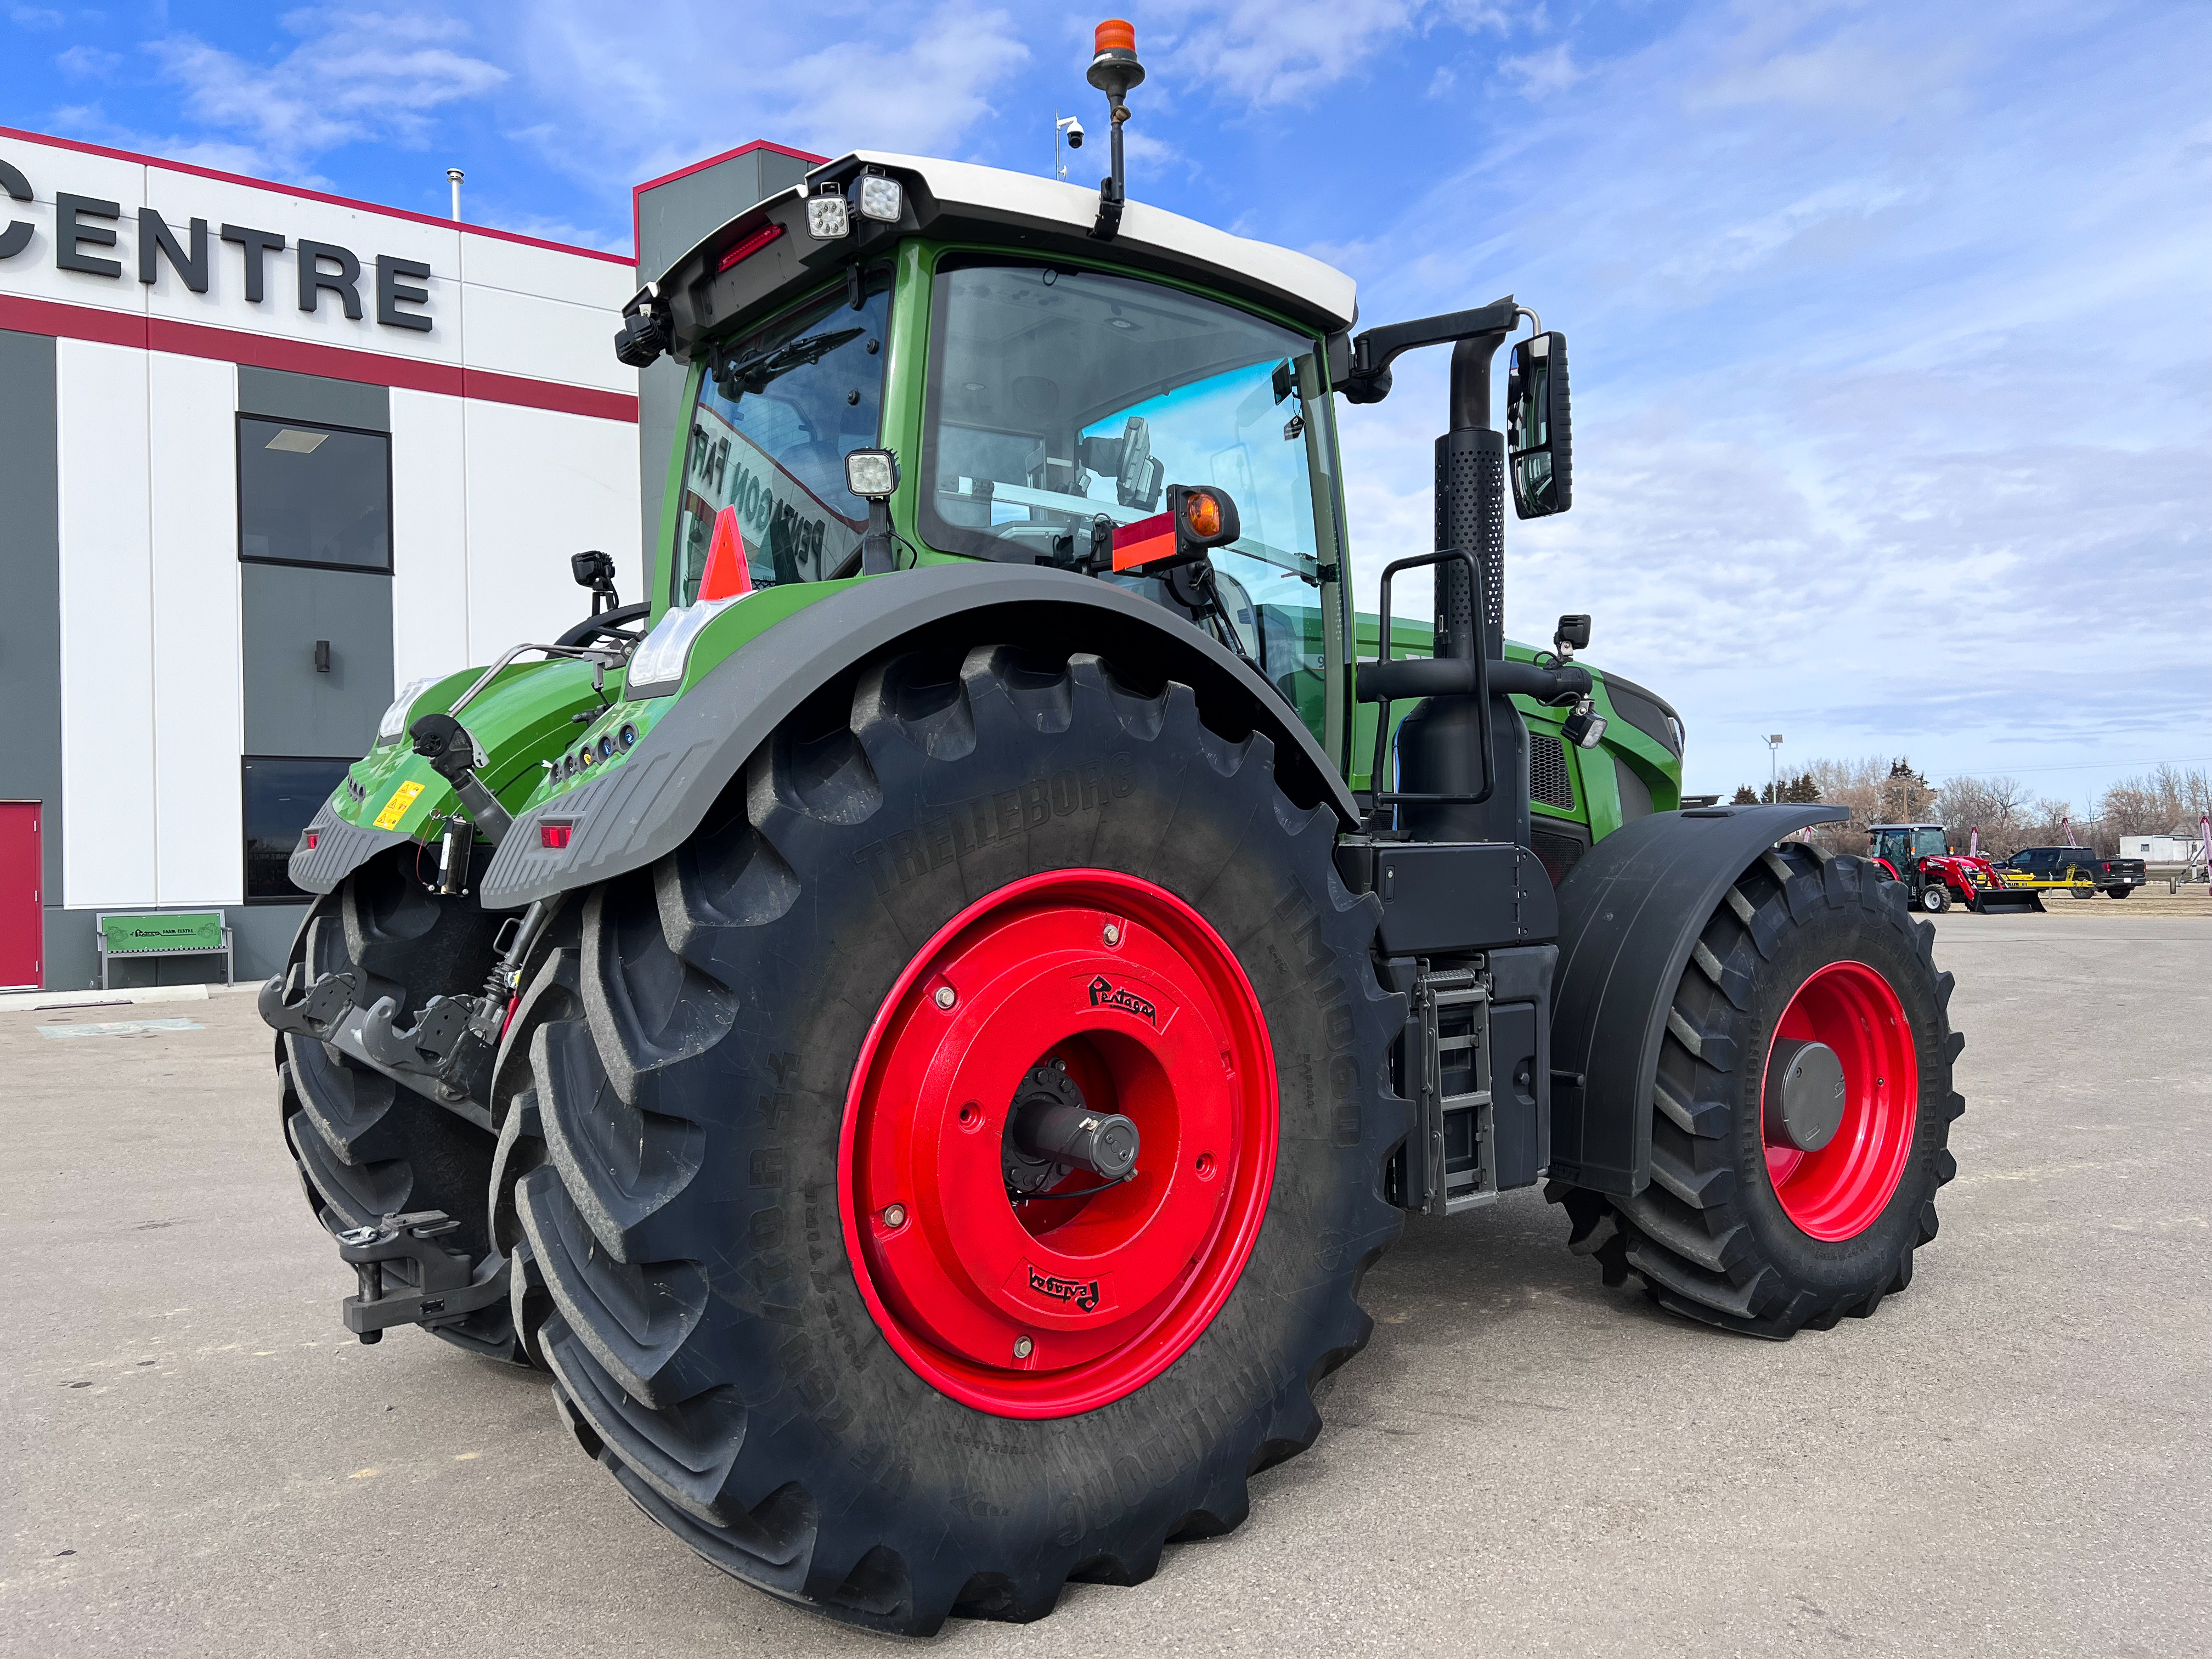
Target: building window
x=313, y=495
x=282, y=791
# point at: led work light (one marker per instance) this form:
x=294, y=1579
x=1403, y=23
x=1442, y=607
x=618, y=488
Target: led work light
x=871, y=474
x=882, y=198
x=827, y=215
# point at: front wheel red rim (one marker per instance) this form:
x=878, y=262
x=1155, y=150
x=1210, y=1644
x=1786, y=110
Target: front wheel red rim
x=1841, y=1190
x=1041, y=1309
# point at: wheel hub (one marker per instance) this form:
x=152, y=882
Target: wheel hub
x=1804, y=1095
x=1058, y=1145
x=1840, y=1101
x=1052, y=1131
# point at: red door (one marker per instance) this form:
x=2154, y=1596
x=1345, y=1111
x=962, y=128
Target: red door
x=22, y=926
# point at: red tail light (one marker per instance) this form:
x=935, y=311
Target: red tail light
x=313, y=836
x=749, y=247
x=555, y=836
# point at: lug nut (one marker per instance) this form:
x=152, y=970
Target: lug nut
x=1023, y=1347
x=1113, y=933
x=946, y=996
x=895, y=1215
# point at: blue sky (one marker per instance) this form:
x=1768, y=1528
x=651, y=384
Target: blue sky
x=1891, y=347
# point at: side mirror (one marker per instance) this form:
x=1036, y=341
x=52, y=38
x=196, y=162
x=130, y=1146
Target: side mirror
x=1199, y=517
x=1538, y=435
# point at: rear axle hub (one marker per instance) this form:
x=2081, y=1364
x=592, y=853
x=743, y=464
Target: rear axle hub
x=1010, y=1244
x=1804, y=1095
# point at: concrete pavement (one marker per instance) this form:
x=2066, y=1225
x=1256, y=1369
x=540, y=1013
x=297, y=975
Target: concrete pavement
x=2012, y=1458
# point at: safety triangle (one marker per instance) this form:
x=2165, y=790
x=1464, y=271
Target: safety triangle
x=727, y=576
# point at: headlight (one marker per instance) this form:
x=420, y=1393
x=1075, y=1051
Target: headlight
x=882, y=198
x=657, y=667
x=393, y=725
x=826, y=217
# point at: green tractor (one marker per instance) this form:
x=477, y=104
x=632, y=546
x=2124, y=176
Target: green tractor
x=921, y=1028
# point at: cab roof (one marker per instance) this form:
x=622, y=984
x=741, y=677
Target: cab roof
x=959, y=201
x=1302, y=283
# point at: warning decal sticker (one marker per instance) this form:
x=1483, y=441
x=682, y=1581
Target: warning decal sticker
x=396, y=808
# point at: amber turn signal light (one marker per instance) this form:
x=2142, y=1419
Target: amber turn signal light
x=1201, y=515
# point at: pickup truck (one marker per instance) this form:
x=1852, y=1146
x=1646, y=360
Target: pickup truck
x=2082, y=870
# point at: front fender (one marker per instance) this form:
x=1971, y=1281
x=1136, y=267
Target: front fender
x=1630, y=913
x=649, y=804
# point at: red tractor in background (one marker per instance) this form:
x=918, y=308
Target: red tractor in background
x=1935, y=875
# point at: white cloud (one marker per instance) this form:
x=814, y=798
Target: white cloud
x=35, y=17
x=1873, y=393
x=360, y=76
x=824, y=83
x=1539, y=73
x=87, y=63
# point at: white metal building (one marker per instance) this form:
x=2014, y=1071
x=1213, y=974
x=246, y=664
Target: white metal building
x=265, y=454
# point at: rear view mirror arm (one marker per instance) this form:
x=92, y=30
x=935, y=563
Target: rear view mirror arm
x=1367, y=380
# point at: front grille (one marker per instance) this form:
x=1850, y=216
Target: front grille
x=1548, y=781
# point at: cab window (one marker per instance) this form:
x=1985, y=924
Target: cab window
x=777, y=410
x=1058, y=396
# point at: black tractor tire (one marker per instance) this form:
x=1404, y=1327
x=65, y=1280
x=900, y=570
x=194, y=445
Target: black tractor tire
x=1708, y=1237
x=677, y=1224
x=1935, y=899
x=366, y=1147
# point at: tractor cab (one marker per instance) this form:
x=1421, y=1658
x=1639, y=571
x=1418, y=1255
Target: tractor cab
x=1041, y=391
x=1904, y=845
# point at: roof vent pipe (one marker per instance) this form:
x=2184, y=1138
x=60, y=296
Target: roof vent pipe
x=454, y=175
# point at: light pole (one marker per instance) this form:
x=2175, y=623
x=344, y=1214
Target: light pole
x=1774, y=754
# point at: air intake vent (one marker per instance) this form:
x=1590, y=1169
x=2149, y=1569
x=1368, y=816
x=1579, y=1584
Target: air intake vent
x=1548, y=783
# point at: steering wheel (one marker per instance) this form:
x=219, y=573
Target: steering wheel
x=609, y=624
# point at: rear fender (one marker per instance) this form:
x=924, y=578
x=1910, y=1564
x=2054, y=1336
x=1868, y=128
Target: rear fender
x=1630, y=913
x=650, y=804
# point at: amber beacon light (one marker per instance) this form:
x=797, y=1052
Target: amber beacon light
x=1114, y=71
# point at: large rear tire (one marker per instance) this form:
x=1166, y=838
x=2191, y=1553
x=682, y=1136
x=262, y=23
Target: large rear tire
x=1739, y=1228
x=366, y=1147
x=788, y=1058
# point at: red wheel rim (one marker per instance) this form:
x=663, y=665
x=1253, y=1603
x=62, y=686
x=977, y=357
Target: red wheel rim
x=1840, y=1190
x=1053, y=1308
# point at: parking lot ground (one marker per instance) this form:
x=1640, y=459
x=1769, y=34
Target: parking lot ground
x=2012, y=1458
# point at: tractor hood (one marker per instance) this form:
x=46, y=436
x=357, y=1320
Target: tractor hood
x=765, y=254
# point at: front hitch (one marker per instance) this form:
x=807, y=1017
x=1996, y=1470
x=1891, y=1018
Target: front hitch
x=314, y=1015
x=408, y=1277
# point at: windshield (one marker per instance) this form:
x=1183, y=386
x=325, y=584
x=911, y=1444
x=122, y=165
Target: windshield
x=777, y=410
x=1060, y=395
x=1928, y=844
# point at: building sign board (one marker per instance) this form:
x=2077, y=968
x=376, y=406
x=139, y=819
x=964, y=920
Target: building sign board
x=84, y=226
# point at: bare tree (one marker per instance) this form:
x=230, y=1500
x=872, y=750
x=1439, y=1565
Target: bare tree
x=2169, y=798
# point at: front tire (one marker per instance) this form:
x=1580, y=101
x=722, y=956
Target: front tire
x=1935, y=899
x=1763, y=1238
x=766, y=1093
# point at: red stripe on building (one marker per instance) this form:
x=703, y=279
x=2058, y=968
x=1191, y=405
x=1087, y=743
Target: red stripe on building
x=124, y=328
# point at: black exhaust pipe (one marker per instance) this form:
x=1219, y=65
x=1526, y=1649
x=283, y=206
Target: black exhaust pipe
x=1440, y=743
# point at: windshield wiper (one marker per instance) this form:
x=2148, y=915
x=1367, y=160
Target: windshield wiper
x=757, y=372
